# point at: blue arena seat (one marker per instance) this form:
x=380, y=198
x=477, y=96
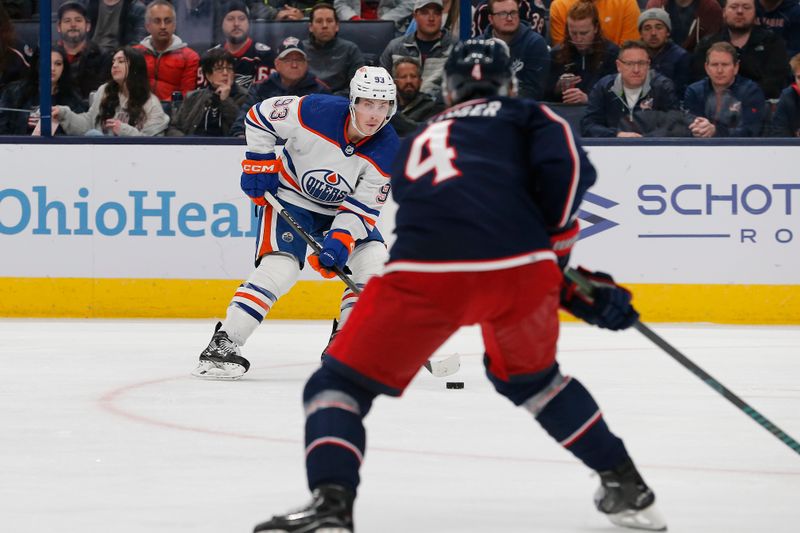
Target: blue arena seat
x=371, y=36
x=27, y=32
x=571, y=113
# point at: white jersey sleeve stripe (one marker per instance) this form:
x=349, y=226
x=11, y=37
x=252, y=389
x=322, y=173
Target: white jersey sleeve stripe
x=566, y=214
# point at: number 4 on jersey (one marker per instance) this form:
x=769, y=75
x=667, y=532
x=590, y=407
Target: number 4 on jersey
x=438, y=157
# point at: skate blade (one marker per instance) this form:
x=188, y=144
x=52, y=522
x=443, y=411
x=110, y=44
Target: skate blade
x=318, y=530
x=218, y=371
x=441, y=368
x=648, y=519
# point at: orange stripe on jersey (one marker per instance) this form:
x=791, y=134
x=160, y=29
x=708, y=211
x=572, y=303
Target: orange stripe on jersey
x=303, y=124
x=374, y=164
x=252, y=116
x=252, y=298
x=370, y=221
x=288, y=177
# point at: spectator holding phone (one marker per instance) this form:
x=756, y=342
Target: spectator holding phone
x=586, y=56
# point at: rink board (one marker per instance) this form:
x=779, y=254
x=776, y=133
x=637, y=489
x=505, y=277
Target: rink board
x=701, y=233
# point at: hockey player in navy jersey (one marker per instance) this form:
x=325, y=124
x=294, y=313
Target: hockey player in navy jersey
x=487, y=198
x=332, y=176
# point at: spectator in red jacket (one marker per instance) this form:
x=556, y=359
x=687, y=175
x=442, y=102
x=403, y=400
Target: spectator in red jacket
x=171, y=64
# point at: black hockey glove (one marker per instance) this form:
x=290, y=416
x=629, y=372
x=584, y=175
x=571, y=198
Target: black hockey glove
x=608, y=306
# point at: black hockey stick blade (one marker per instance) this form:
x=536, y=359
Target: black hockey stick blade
x=687, y=363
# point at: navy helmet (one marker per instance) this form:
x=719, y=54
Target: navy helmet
x=477, y=68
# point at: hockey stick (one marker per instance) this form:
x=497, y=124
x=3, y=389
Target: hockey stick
x=439, y=369
x=285, y=215
x=673, y=352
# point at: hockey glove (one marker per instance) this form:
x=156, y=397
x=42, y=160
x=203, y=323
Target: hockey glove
x=260, y=173
x=336, y=248
x=563, y=240
x=608, y=306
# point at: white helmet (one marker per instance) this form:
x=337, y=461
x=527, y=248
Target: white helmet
x=374, y=83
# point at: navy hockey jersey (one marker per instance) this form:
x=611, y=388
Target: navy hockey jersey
x=484, y=185
x=252, y=64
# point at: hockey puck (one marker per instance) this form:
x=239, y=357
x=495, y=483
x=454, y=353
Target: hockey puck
x=455, y=384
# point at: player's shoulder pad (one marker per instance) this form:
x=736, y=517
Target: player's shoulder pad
x=382, y=149
x=261, y=47
x=319, y=102
x=324, y=113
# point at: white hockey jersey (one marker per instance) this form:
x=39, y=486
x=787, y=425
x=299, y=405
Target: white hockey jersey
x=324, y=171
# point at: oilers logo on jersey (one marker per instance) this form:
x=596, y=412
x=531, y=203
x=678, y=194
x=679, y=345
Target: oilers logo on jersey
x=325, y=186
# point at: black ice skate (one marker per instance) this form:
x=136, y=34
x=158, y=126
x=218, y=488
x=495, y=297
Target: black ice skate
x=330, y=510
x=221, y=359
x=334, y=332
x=627, y=500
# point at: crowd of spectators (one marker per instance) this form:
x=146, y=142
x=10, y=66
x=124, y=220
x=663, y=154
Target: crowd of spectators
x=617, y=68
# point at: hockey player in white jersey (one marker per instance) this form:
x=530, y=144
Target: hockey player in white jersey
x=332, y=176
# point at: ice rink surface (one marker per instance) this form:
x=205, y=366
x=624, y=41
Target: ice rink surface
x=103, y=430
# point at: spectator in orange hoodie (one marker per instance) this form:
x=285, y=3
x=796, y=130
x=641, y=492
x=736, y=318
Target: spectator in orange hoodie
x=618, y=20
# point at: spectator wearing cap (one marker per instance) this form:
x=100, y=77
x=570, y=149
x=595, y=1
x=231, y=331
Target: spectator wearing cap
x=725, y=104
x=783, y=18
x=529, y=55
x=89, y=65
x=666, y=57
x=291, y=77
x=692, y=20
x=580, y=61
x=252, y=61
x=330, y=58
x=398, y=11
x=636, y=102
x=762, y=54
x=430, y=45
x=171, y=65
x=413, y=107
x=786, y=119
x=115, y=23
x=210, y=111
x=617, y=19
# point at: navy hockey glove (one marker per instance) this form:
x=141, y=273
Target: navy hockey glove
x=563, y=240
x=609, y=305
x=336, y=248
x=260, y=173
